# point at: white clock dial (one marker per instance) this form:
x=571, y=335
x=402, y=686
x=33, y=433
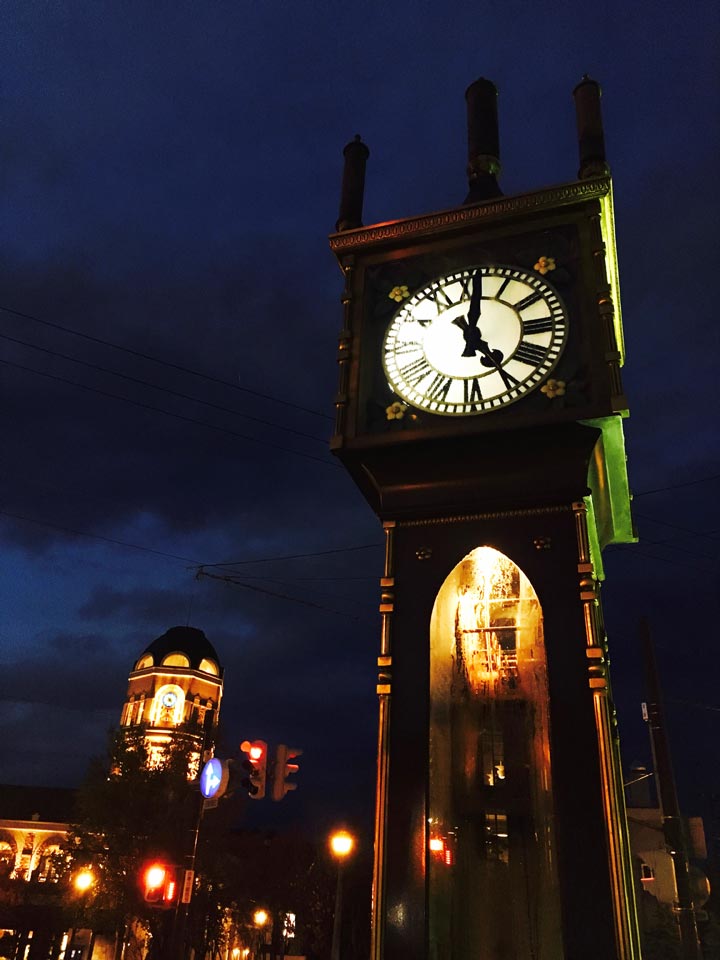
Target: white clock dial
x=169, y=699
x=475, y=340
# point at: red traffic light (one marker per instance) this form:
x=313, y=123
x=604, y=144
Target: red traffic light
x=255, y=765
x=159, y=883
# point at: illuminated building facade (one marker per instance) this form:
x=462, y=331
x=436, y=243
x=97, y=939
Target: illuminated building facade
x=33, y=825
x=174, y=692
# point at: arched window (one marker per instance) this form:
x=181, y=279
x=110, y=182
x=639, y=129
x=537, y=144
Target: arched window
x=209, y=666
x=490, y=839
x=176, y=660
x=143, y=662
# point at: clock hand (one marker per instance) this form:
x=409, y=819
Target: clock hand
x=475, y=299
x=469, y=325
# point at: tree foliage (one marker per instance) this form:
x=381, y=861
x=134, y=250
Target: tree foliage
x=129, y=812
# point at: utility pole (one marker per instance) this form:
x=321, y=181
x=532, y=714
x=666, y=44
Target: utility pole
x=667, y=797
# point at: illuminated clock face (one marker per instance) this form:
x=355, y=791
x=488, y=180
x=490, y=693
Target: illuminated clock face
x=169, y=699
x=475, y=341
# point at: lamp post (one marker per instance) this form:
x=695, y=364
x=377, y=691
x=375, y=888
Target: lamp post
x=341, y=846
x=260, y=919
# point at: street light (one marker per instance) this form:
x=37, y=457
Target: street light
x=342, y=844
x=83, y=880
x=260, y=918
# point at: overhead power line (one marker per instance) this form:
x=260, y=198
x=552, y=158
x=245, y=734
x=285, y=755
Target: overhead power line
x=194, y=562
x=167, y=390
x=167, y=413
x=282, y=596
x=166, y=363
x=677, y=486
x=292, y=556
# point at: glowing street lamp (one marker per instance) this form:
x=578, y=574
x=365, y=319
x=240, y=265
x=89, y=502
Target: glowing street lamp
x=83, y=880
x=342, y=844
x=260, y=919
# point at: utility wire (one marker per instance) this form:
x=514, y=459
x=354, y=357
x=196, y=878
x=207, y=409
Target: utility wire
x=167, y=413
x=165, y=363
x=708, y=534
x=172, y=556
x=282, y=596
x=631, y=551
x=95, y=536
x=154, y=386
x=292, y=556
x=676, y=486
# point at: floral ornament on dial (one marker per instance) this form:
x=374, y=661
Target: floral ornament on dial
x=396, y=411
x=398, y=294
x=553, y=388
x=545, y=265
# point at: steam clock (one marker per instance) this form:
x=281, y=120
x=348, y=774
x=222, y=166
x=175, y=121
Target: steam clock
x=480, y=412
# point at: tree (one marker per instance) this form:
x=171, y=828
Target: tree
x=136, y=812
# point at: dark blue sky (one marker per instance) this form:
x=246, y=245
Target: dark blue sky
x=170, y=172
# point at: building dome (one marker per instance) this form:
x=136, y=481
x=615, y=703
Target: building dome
x=182, y=647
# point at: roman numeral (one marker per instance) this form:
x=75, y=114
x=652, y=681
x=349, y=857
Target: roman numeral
x=540, y=325
x=465, y=285
x=530, y=353
x=471, y=391
x=408, y=346
x=527, y=301
x=438, y=389
x=416, y=371
x=503, y=288
x=508, y=379
x=439, y=298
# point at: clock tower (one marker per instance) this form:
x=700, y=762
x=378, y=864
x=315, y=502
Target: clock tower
x=480, y=412
x=174, y=693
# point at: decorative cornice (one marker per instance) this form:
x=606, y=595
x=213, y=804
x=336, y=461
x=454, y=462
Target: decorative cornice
x=448, y=220
x=495, y=515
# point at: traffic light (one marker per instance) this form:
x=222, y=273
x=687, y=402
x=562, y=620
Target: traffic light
x=255, y=767
x=282, y=769
x=160, y=884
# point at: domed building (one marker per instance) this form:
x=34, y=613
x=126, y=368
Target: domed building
x=174, y=692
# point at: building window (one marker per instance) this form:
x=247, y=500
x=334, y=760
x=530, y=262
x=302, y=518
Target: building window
x=209, y=666
x=176, y=660
x=646, y=872
x=143, y=662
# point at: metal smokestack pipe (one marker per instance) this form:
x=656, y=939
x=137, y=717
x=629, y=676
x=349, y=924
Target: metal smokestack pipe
x=353, y=185
x=483, y=141
x=591, y=139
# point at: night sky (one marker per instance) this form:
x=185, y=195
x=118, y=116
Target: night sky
x=169, y=318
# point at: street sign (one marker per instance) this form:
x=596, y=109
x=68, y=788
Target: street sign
x=187, y=887
x=213, y=779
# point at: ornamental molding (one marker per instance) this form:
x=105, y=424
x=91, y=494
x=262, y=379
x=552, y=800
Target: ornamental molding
x=494, y=515
x=462, y=216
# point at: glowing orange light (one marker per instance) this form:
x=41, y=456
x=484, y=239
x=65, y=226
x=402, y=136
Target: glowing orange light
x=342, y=843
x=84, y=880
x=155, y=876
x=437, y=844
